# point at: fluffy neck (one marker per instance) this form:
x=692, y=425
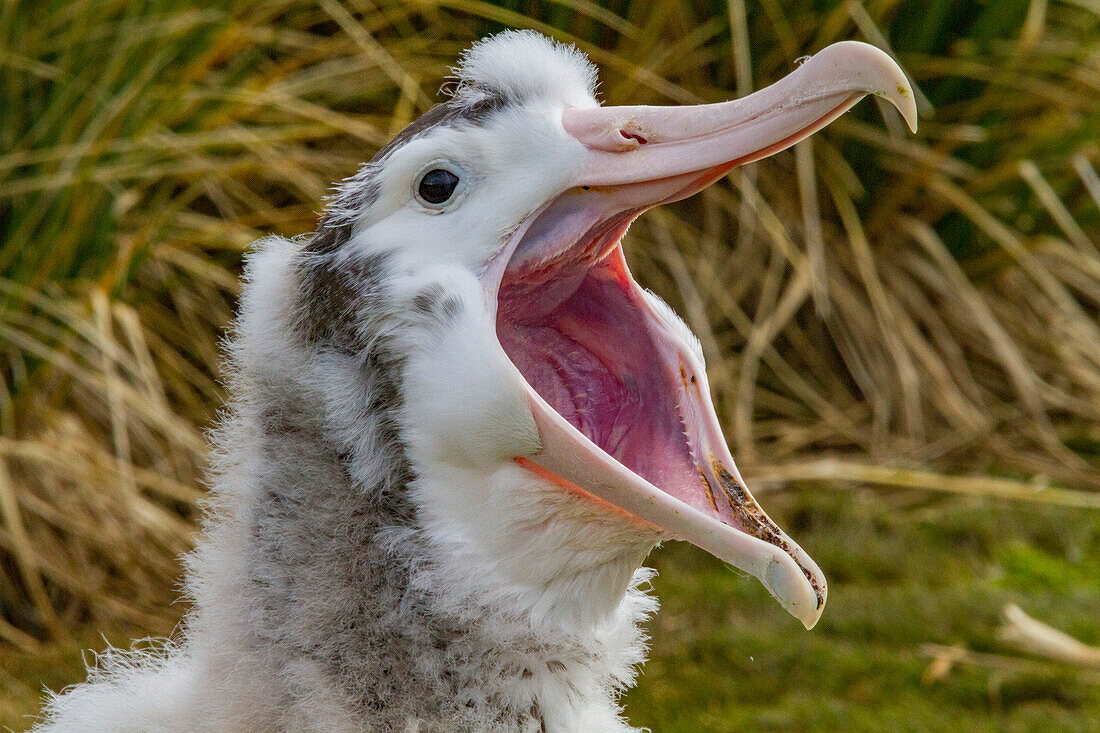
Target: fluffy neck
x=358, y=601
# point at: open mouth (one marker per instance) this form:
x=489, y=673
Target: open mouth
x=609, y=361
x=581, y=335
x=616, y=383
x=588, y=340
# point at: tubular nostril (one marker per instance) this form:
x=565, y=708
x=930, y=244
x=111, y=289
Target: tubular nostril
x=633, y=136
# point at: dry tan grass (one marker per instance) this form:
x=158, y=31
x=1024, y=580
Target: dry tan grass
x=847, y=340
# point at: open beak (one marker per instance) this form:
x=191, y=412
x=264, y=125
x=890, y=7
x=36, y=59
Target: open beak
x=617, y=388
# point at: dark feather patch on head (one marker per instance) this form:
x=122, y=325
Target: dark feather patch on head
x=450, y=113
x=359, y=192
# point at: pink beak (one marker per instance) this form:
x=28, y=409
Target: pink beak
x=565, y=268
x=664, y=142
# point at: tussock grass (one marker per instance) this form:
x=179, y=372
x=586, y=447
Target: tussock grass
x=913, y=312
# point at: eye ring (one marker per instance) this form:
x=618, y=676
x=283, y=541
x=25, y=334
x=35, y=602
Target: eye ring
x=439, y=185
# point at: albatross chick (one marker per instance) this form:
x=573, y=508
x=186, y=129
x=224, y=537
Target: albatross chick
x=457, y=426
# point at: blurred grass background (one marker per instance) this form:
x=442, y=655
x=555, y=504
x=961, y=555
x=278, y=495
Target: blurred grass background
x=902, y=331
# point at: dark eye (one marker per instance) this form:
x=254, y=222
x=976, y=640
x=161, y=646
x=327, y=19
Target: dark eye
x=437, y=186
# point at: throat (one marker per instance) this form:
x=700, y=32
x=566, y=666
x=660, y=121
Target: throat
x=552, y=653
x=533, y=552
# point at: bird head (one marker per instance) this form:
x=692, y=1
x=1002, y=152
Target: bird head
x=551, y=406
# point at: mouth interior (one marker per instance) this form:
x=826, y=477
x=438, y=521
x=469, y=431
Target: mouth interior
x=609, y=361
x=576, y=327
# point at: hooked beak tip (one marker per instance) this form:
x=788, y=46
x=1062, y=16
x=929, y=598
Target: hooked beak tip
x=887, y=80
